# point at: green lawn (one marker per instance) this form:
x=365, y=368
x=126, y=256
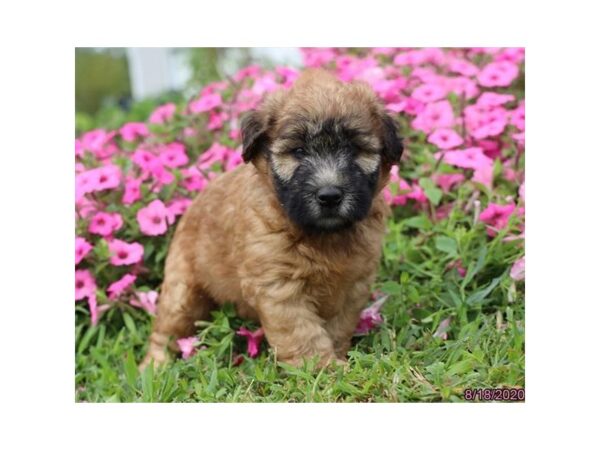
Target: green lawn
x=403, y=360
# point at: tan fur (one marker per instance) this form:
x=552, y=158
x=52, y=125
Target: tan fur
x=236, y=244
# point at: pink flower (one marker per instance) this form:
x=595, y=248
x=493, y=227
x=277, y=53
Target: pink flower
x=265, y=84
x=429, y=92
x=517, y=271
x=370, y=317
x=493, y=99
x=99, y=179
x=445, y=138
x=120, y=286
x=500, y=73
x=469, y=158
x=483, y=120
x=109, y=177
x=435, y=115
x=254, y=339
x=178, y=206
x=124, y=254
x=317, y=57
x=173, y=155
x=522, y=192
x=234, y=159
x=446, y=181
x=146, y=301
x=215, y=120
x=517, y=116
x=193, y=180
x=143, y=158
x=462, y=67
x=85, y=284
x=206, y=103
x=155, y=218
x=105, y=224
x=216, y=153
x=396, y=107
x=163, y=113
x=132, y=130
x=98, y=142
x=187, y=346
x=496, y=216
x=132, y=190
x=82, y=248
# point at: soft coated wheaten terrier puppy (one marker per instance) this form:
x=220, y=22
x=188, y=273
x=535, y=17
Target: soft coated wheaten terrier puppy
x=293, y=239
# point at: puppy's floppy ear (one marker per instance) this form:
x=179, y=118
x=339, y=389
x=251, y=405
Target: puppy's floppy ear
x=254, y=129
x=392, y=142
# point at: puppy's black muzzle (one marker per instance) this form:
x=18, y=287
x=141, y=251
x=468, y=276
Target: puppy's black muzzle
x=329, y=196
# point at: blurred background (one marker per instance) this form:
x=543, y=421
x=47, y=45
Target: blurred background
x=117, y=85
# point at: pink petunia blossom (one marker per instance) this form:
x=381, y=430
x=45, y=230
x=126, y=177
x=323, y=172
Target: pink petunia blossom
x=234, y=159
x=517, y=116
x=179, y=205
x=434, y=115
x=216, y=153
x=146, y=301
x=193, y=180
x=99, y=143
x=163, y=113
x=462, y=67
x=497, y=74
x=429, y=92
x=132, y=130
x=215, y=120
x=447, y=180
x=155, y=218
x=469, y=158
x=109, y=177
x=120, y=286
x=445, y=138
x=143, y=158
x=265, y=84
x=496, y=216
x=370, y=317
x=317, y=57
x=85, y=284
x=517, y=271
x=82, y=248
x=206, y=103
x=493, y=99
x=254, y=338
x=105, y=224
x=124, y=253
x=173, y=155
x=132, y=190
x=289, y=75
x=187, y=346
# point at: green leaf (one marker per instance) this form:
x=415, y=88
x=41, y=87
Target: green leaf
x=480, y=296
x=446, y=244
x=433, y=193
x=475, y=268
x=420, y=222
x=131, y=370
x=130, y=324
x=391, y=287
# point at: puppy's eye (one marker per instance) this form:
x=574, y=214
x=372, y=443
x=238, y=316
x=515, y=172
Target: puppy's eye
x=299, y=152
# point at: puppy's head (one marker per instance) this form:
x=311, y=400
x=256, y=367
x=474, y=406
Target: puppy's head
x=327, y=146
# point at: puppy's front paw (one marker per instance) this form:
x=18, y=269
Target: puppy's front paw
x=156, y=357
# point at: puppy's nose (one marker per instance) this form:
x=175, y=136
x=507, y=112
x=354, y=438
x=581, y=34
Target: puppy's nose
x=329, y=195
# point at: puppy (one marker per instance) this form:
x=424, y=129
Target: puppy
x=294, y=238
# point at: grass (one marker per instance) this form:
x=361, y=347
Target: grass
x=443, y=333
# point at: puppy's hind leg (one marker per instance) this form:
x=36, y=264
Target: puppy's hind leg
x=179, y=307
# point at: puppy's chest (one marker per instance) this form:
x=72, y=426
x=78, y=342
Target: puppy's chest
x=330, y=278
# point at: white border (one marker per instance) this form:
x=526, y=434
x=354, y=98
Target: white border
x=562, y=244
